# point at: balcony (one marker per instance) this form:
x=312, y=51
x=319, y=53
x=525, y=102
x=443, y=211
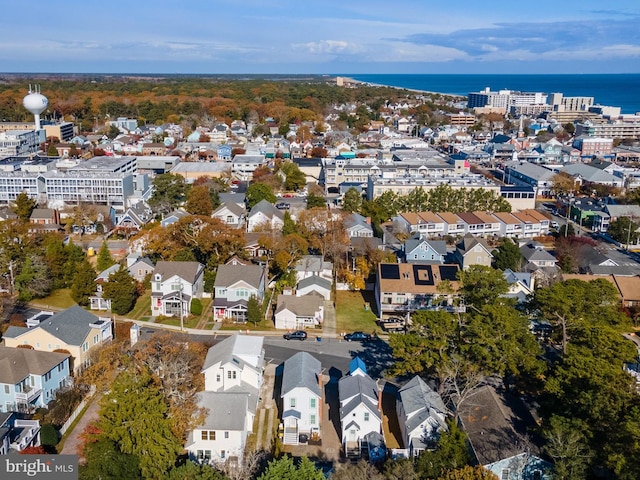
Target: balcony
x=28, y=395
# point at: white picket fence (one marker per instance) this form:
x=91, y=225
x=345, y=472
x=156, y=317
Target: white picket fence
x=77, y=411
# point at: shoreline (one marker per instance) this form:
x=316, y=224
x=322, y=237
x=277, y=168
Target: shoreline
x=415, y=90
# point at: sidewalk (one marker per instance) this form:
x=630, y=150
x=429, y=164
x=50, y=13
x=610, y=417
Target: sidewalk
x=73, y=441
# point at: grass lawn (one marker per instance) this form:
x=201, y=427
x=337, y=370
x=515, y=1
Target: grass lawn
x=60, y=298
x=143, y=307
x=351, y=314
x=189, y=322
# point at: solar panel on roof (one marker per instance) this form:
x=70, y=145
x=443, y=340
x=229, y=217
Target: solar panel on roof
x=423, y=275
x=390, y=271
x=448, y=272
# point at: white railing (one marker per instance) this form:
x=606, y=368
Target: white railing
x=77, y=411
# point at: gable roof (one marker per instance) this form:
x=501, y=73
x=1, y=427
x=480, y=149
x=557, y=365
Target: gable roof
x=267, y=209
x=468, y=243
x=301, y=370
x=364, y=385
x=315, y=280
x=312, y=263
x=243, y=348
x=17, y=363
x=418, y=398
x=71, y=326
x=357, y=364
x=230, y=274
x=305, y=306
x=234, y=208
x=225, y=410
x=438, y=246
x=188, y=271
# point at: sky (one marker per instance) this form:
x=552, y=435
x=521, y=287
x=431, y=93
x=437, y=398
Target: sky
x=320, y=36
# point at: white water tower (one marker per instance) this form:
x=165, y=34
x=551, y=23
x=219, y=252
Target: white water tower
x=36, y=103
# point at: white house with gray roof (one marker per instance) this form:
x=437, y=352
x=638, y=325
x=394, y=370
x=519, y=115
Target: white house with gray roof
x=234, y=285
x=264, y=214
x=299, y=312
x=301, y=396
x=359, y=407
x=174, y=285
x=231, y=214
x=310, y=265
x=232, y=378
x=314, y=284
x=421, y=416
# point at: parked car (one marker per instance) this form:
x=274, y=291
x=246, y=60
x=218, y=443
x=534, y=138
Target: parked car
x=283, y=206
x=357, y=337
x=555, y=225
x=297, y=335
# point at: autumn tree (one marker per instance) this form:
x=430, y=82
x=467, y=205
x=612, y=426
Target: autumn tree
x=563, y=183
x=199, y=201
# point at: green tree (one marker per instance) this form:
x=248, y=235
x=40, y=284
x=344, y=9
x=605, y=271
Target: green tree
x=105, y=460
x=113, y=132
x=507, y=255
x=194, y=471
x=52, y=151
x=34, y=280
x=199, y=201
x=104, y=259
x=285, y=469
x=169, y=192
x=122, y=290
x=481, y=285
x=295, y=178
x=84, y=285
x=624, y=230
x=254, y=310
x=288, y=225
x=352, y=200
x=469, y=473
x=314, y=201
x=134, y=415
x=451, y=453
x=196, y=306
x=568, y=446
x=24, y=206
x=257, y=192
x=48, y=435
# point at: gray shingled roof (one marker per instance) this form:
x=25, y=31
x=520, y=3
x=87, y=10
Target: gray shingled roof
x=226, y=411
x=305, y=306
x=360, y=386
x=358, y=400
x=17, y=363
x=301, y=370
x=240, y=347
x=188, y=271
x=315, y=280
x=418, y=398
x=229, y=274
x=71, y=325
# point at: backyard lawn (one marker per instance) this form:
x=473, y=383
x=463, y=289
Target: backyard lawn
x=59, y=299
x=351, y=314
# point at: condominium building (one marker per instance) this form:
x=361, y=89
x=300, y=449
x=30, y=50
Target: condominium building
x=16, y=143
x=621, y=128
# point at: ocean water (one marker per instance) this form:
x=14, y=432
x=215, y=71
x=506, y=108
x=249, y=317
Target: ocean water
x=617, y=90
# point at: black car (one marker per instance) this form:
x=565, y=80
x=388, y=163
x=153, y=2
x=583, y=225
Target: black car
x=357, y=336
x=283, y=206
x=297, y=335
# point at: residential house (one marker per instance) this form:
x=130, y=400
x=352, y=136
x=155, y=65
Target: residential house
x=29, y=379
x=418, y=249
x=629, y=288
x=314, y=284
x=421, y=416
x=535, y=254
x=426, y=223
x=453, y=225
x=494, y=425
x=358, y=226
x=243, y=165
x=253, y=246
x=16, y=434
x=231, y=214
x=264, y=215
x=590, y=260
x=299, y=312
x=521, y=285
x=73, y=330
x=534, y=223
x=301, y=396
x=97, y=301
x=45, y=216
x=233, y=287
x=232, y=378
x=360, y=414
x=173, y=217
x=134, y=219
x=174, y=285
x=139, y=267
x=472, y=251
x=403, y=288
x=310, y=265
x=510, y=226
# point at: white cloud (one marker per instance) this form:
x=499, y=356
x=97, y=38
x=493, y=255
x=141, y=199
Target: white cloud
x=324, y=47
